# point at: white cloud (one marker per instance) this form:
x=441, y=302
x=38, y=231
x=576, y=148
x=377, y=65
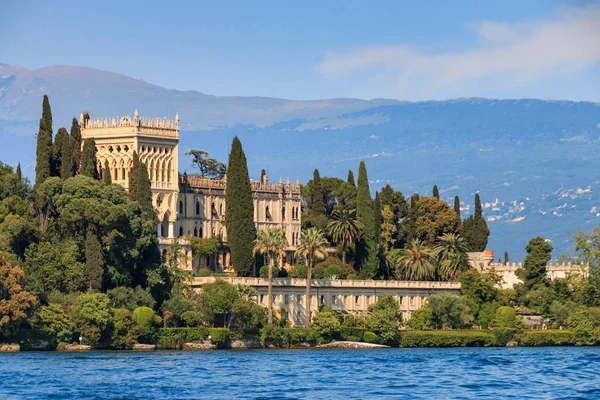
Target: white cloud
x=505, y=53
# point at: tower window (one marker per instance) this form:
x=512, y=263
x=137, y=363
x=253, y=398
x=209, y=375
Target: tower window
x=180, y=207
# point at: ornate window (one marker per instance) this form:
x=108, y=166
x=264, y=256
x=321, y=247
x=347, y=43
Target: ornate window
x=197, y=207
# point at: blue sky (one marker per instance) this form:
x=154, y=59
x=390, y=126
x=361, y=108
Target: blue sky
x=306, y=50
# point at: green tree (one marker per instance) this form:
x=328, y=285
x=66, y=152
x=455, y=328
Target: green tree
x=94, y=261
x=385, y=318
x=239, y=220
x=364, y=205
x=506, y=259
x=476, y=231
x=56, y=323
x=317, y=204
x=421, y=318
x=61, y=141
x=344, y=230
x=350, y=179
x=106, y=177
x=452, y=256
x=449, y=311
x=66, y=164
x=326, y=322
x=93, y=317
x=217, y=299
x=43, y=165
x=271, y=242
x=585, y=332
x=414, y=262
x=457, y=206
x=436, y=192
x=388, y=227
x=377, y=218
x=533, y=272
x=506, y=317
x=88, y=159
x=133, y=176
x=434, y=218
x=312, y=245
x=143, y=194
x=209, y=167
x=75, y=134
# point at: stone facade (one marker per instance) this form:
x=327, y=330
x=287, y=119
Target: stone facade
x=186, y=205
x=484, y=262
x=201, y=213
x=346, y=296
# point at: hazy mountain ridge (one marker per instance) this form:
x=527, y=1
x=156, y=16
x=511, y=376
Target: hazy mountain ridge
x=538, y=158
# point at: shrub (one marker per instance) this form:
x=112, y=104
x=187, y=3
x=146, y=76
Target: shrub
x=56, y=323
x=550, y=337
x=219, y=337
x=583, y=327
x=335, y=266
x=248, y=315
x=264, y=272
x=298, y=271
x=503, y=335
x=505, y=317
x=120, y=338
x=446, y=339
x=352, y=277
x=177, y=305
x=449, y=311
x=293, y=336
x=143, y=316
x=174, y=338
x=203, y=272
x=385, y=319
x=326, y=322
x=371, y=337
x=273, y=336
x=190, y=318
x=352, y=334
x=420, y=318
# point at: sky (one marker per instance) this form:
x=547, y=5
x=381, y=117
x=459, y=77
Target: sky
x=410, y=50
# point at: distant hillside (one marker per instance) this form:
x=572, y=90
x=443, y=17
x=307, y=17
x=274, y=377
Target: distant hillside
x=538, y=158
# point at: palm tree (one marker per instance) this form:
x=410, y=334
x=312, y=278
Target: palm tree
x=414, y=262
x=312, y=245
x=452, y=255
x=344, y=229
x=271, y=242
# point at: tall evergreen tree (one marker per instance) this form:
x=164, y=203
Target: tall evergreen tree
x=61, y=142
x=94, y=261
x=364, y=204
x=436, y=192
x=133, y=174
x=263, y=173
x=19, y=173
x=533, y=272
x=377, y=218
x=66, y=165
x=457, y=206
x=411, y=220
x=88, y=159
x=43, y=164
x=76, y=145
x=143, y=193
x=476, y=231
x=506, y=259
x=239, y=211
x=318, y=206
x=106, y=178
x=351, y=178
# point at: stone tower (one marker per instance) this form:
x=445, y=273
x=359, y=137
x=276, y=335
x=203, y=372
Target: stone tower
x=156, y=143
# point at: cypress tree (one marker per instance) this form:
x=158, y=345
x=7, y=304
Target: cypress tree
x=19, y=173
x=475, y=229
x=143, y=193
x=61, y=143
x=88, y=159
x=351, y=178
x=239, y=211
x=478, y=213
x=411, y=222
x=43, y=164
x=318, y=206
x=506, y=259
x=263, y=173
x=66, y=166
x=106, y=178
x=133, y=174
x=457, y=206
x=436, y=192
x=94, y=261
x=364, y=204
x=533, y=272
x=76, y=145
x=377, y=217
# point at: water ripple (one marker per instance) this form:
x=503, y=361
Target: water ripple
x=494, y=373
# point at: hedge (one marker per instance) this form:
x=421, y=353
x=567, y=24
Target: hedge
x=371, y=337
x=550, y=337
x=174, y=338
x=415, y=338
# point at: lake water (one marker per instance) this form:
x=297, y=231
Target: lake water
x=558, y=372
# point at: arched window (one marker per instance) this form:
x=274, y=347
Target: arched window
x=197, y=208
x=180, y=231
x=180, y=207
x=267, y=213
x=195, y=231
x=200, y=232
x=283, y=213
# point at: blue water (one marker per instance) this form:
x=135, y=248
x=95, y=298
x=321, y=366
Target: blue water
x=559, y=372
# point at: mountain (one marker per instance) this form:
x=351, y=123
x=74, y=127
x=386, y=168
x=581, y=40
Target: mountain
x=534, y=162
